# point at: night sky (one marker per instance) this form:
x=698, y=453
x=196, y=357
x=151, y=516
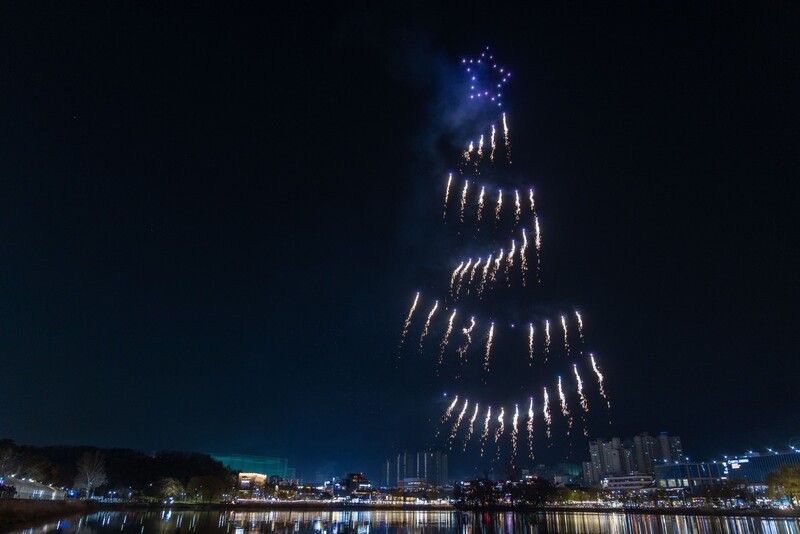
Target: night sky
x=213, y=220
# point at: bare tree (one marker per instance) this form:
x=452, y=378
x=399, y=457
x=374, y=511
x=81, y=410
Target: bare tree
x=91, y=472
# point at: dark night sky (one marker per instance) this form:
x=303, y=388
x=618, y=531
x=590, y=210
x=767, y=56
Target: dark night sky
x=212, y=220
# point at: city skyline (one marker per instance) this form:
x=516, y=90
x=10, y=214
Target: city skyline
x=211, y=235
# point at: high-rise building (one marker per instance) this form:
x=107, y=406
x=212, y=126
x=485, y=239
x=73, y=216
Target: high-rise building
x=639, y=455
x=427, y=466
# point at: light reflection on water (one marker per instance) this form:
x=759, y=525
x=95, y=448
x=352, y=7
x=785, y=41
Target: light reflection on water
x=411, y=522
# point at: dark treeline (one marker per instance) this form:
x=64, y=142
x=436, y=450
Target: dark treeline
x=124, y=468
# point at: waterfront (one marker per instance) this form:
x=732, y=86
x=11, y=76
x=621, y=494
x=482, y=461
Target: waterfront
x=429, y=522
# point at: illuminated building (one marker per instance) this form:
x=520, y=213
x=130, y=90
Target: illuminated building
x=264, y=465
x=753, y=469
x=627, y=483
x=424, y=466
x=689, y=476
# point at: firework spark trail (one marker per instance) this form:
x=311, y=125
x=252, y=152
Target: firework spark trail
x=446, y=337
x=510, y=261
x=463, y=201
x=584, y=401
x=564, y=408
x=498, y=207
x=529, y=426
x=497, y=263
x=447, y=413
x=500, y=429
x=427, y=324
x=566, y=336
x=514, y=433
x=485, y=434
x=494, y=145
x=461, y=277
x=580, y=329
x=507, y=140
x=462, y=350
x=453, y=276
x=546, y=339
x=530, y=343
x=480, y=154
x=472, y=275
x=538, y=244
x=471, y=426
x=548, y=418
x=480, y=205
x=408, y=319
x=485, y=274
x=523, y=258
x=447, y=195
x=600, y=381
x=517, y=208
x=454, y=430
x=487, y=354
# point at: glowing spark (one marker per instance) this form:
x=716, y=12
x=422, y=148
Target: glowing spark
x=472, y=275
x=523, y=258
x=461, y=276
x=463, y=200
x=454, y=430
x=447, y=195
x=462, y=350
x=507, y=140
x=546, y=339
x=446, y=337
x=548, y=419
x=486, y=428
x=529, y=425
x=408, y=318
x=485, y=274
x=427, y=324
x=510, y=260
x=449, y=411
x=497, y=263
x=580, y=329
x=480, y=203
x=517, y=208
x=488, y=348
x=471, y=426
x=538, y=244
x=533, y=202
x=453, y=276
x=530, y=342
x=566, y=336
x=583, y=400
x=499, y=206
x=564, y=408
x=491, y=155
x=480, y=148
x=500, y=429
x=514, y=433
x=600, y=381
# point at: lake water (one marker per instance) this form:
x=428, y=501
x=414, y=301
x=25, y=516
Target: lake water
x=329, y=522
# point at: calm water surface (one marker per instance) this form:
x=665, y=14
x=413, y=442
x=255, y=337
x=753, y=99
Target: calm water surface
x=328, y=522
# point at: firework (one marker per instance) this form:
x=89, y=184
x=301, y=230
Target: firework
x=497, y=263
x=486, y=428
x=408, y=318
x=494, y=145
x=546, y=339
x=530, y=343
x=529, y=425
x=506, y=139
x=486, y=267
x=522, y=257
x=510, y=260
x=461, y=276
x=538, y=245
x=471, y=426
x=517, y=208
x=463, y=200
x=460, y=417
x=480, y=152
x=480, y=205
x=446, y=337
x=427, y=324
x=499, y=206
x=472, y=275
x=580, y=329
x=548, y=419
x=467, y=331
x=453, y=276
x=500, y=429
x=564, y=408
x=566, y=336
x=600, y=381
x=488, y=348
x=449, y=411
x=583, y=400
x=447, y=195
x=514, y=433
